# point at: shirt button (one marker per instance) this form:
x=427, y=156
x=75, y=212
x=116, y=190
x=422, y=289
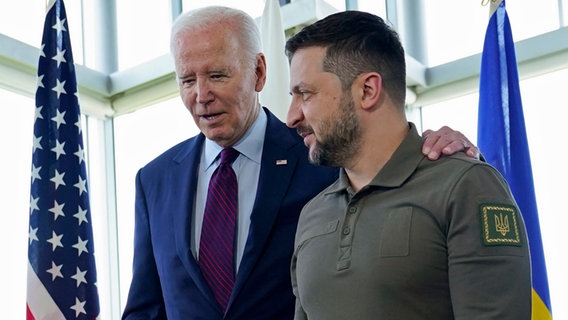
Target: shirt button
x=352, y=210
x=346, y=230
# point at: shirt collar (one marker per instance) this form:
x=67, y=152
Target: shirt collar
x=250, y=145
x=396, y=171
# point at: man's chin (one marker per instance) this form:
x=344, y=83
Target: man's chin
x=314, y=155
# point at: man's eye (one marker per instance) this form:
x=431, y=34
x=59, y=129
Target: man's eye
x=187, y=82
x=305, y=95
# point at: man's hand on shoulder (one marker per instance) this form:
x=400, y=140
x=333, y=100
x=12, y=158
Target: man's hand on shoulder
x=446, y=141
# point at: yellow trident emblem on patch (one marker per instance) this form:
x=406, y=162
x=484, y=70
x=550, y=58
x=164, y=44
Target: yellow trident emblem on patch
x=502, y=224
x=499, y=225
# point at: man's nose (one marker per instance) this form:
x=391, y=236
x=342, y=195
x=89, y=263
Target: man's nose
x=203, y=91
x=294, y=115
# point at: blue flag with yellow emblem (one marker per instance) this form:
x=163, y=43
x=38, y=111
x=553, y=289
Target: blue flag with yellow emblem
x=503, y=141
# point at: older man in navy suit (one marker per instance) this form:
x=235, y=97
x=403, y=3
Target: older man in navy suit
x=220, y=70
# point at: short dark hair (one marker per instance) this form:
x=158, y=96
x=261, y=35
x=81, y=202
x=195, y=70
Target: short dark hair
x=356, y=42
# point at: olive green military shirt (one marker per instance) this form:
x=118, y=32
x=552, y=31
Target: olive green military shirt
x=424, y=240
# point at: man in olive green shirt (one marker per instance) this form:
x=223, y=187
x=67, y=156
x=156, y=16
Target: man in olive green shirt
x=397, y=236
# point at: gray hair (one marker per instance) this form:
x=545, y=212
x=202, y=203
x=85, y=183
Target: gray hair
x=243, y=26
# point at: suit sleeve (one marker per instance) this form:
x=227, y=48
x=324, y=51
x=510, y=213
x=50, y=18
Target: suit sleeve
x=489, y=262
x=145, y=296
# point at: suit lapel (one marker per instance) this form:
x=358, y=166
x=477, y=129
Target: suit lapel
x=273, y=182
x=186, y=183
x=276, y=171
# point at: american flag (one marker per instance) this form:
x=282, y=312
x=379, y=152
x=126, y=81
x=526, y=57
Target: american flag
x=61, y=265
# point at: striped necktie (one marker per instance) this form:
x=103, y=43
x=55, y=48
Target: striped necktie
x=217, y=244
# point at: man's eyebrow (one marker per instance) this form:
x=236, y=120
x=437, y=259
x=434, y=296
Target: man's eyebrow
x=219, y=70
x=208, y=72
x=298, y=87
x=185, y=76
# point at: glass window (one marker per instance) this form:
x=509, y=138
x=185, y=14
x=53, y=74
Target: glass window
x=253, y=7
x=459, y=114
x=16, y=135
x=337, y=4
x=143, y=30
x=452, y=34
x=564, y=12
x=545, y=112
x=544, y=18
x=15, y=169
x=140, y=137
x=23, y=20
x=373, y=6
x=13, y=24
x=95, y=146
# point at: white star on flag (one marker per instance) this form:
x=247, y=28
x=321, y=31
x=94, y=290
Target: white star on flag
x=58, y=179
x=55, y=240
x=79, y=307
x=80, y=276
x=32, y=235
x=81, y=246
x=55, y=271
x=59, y=26
x=59, y=119
x=80, y=154
x=81, y=185
x=81, y=216
x=59, y=57
x=59, y=88
x=35, y=173
x=37, y=143
x=57, y=210
x=33, y=204
x=58, y=149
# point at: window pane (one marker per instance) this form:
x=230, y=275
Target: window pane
x=337, y=4
x=456, y=29
x=543, y=18
x=139, y=138
x=373, y=6
x=253, y=7
x=143, y=30
x=459, y=114
x=15, y=169
x=564, y=4
x=27, y=30
x=23, y=20
x=545, y=112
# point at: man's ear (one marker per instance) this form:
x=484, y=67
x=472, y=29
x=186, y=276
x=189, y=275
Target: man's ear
x=260, y=72
x=372, y=85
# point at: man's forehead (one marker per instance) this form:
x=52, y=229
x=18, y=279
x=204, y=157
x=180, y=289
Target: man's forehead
x=312, y=56
x=211, y=65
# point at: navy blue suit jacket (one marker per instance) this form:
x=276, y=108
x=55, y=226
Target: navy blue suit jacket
x=167, y=282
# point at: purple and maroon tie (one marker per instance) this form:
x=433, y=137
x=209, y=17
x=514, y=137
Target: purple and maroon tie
x=217, y=244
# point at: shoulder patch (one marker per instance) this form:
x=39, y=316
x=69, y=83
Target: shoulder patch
x=499, y=225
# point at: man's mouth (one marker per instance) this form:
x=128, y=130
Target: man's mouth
x=210, y=117
x=303, y=132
